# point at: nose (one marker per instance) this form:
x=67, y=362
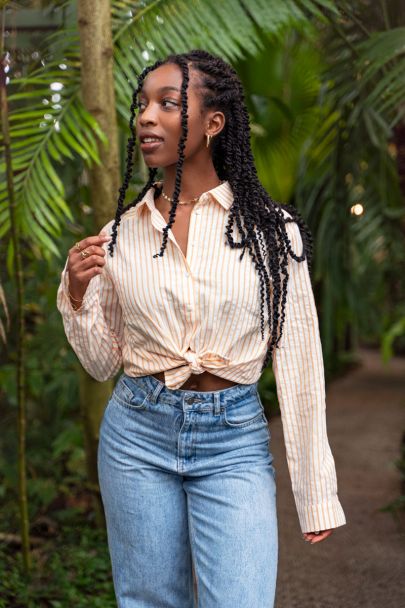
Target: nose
x=148, y=116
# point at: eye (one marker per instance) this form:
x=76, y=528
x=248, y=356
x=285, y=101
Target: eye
x=174, y=103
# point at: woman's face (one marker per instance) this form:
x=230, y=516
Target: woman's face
x=159, y=115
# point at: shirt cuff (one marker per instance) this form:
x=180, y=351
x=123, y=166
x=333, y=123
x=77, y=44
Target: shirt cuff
x=322, y=516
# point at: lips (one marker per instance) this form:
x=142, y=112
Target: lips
x=150, y=142
x=151, y=146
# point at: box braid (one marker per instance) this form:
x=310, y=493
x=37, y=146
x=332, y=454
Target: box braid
x=259, y=219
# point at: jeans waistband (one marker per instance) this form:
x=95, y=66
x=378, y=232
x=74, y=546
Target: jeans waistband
x=158, y=390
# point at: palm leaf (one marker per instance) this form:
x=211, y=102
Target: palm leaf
x=45, y=132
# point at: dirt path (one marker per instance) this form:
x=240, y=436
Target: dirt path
x=362, y=564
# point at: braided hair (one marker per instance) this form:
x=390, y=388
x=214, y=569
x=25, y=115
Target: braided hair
x=263, y=219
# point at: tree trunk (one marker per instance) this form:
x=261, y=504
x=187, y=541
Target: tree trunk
x=20, y=320
x=97, y=86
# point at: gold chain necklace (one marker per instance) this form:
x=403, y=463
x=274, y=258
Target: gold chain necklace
x=193, y=200
x=168, y=198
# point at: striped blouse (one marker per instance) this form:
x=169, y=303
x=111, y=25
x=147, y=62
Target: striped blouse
x=201, y=312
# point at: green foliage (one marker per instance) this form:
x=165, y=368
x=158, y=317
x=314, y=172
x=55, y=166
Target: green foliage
x=282, y=96
x=50, y=125
x=361, y=255
x=396, y=330
x=71, y=569
x=55, y=453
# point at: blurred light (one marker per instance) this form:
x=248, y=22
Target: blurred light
x=56, y=86
x=392, y=150
x=55, y=98
x=349, y=178
x=35, y=55
x=145, y=55
x=357, y=209
x=358, y=190
x=363, y=165
x=87, y=210
x=63, y=66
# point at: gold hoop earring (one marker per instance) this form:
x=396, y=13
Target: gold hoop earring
x=208, y=139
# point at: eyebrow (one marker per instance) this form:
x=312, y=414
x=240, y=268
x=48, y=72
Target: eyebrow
x=162, y=89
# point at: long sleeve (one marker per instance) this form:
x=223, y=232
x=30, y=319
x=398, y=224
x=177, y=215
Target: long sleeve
x=95, y=331
x=299, y=373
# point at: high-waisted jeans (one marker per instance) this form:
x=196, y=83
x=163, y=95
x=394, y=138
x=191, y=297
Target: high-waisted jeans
x=187, y=481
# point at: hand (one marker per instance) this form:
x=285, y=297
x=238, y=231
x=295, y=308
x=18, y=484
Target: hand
x=82, y=269
x=316, y=538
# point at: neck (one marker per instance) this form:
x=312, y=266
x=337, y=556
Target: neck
x=194, y=181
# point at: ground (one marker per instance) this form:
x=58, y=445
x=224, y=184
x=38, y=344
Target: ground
x=362, y=564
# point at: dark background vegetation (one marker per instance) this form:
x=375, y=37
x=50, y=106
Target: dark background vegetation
x=324, y=85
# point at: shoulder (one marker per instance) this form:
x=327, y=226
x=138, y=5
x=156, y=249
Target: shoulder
x=287, y=216
x=123, y=219
x=290, y=223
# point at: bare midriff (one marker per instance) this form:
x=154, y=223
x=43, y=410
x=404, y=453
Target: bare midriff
x=201, y=382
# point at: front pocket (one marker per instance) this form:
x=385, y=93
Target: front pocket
x=133, y=398
x=244, y=412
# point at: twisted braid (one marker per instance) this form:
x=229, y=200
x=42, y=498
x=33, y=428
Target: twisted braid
x=259, y=219
x=129, y=161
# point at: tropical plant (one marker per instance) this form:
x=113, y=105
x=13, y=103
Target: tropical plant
x=356, y=201
x=49, y=124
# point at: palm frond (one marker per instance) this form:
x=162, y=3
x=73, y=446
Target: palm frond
x=229, y=28
x=49, y=127
x=48, y=124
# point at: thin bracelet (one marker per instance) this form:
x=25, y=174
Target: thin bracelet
x=70, y=295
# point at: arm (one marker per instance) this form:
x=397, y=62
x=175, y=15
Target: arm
x=95, y=330
x=299, y=373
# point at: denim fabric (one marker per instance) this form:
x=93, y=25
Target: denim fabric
x=187, y=477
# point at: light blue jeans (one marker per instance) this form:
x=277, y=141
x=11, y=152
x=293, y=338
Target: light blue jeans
x=186, y=477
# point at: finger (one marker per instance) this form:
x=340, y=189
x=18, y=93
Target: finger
x=92, y=249
x=312, y=535
x=82, y=266
x=91, y=260
x=319, y=537
x=89, y=274
x=99, y=239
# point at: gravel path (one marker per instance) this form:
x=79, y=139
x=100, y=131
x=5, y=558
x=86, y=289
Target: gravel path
x=362, y=564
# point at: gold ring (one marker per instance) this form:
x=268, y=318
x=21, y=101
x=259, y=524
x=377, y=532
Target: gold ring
x=78, y=246
x=84, y=253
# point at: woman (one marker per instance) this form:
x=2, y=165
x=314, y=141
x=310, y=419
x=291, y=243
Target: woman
x=185, y=470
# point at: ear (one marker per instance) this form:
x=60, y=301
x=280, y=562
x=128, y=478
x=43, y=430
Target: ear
x=215, y=122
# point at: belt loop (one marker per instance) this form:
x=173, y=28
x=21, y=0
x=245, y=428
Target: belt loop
x=217, y=404
x=155, y=393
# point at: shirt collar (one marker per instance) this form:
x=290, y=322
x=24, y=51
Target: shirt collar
x=222, y=194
